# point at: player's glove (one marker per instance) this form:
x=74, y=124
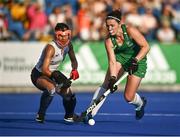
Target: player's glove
x=133, y=66
x=74, y=74
x=60, y=78
x=111, y=85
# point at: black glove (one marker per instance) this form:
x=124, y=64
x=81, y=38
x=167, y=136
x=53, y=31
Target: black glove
x=111, y=86
x=133, y=66
x=60, y=78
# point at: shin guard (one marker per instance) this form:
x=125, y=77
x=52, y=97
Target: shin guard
x=69, y=103
x=46, y=99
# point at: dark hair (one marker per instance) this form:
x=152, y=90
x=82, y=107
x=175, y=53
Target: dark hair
x=116, y=14
x=61, y=26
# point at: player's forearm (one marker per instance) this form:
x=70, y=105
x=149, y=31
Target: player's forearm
x=74, y=64
x=45, y=69
x=112, y=67
x=143, y=52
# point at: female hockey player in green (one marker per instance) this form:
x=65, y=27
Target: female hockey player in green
x=126, y=50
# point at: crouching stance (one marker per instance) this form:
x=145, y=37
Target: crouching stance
x=46, y=76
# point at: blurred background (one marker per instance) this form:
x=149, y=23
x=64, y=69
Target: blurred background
x=27, y=25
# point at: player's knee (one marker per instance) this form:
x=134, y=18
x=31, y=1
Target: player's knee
x=68, y=96
x=50, y=92
x=65, y=93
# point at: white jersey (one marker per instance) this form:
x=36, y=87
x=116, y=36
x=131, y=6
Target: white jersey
x=58, y=57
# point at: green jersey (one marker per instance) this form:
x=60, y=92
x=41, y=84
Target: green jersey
x=126, y=51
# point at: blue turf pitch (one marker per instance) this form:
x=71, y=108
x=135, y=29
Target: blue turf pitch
x=116, y=117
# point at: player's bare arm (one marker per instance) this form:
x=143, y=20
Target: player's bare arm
x=49, y=52
x=111, y=57
x=72, y=57
x=140, y=40
x=74, y=64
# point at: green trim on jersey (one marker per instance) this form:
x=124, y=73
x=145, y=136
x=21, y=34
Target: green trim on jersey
x=126, y=51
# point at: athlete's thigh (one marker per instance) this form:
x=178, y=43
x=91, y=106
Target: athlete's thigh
x=132, y=85
x=44, y=82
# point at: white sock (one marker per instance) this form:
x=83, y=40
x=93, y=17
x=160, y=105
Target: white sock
x=137, y=102
x=96, y=95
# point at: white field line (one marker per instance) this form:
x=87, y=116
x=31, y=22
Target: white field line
x=101, y=114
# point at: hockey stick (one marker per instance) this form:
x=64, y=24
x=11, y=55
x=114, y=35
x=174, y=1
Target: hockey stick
x=101, y=98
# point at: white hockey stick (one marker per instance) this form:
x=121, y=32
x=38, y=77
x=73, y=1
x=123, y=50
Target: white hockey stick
x=101, y=98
